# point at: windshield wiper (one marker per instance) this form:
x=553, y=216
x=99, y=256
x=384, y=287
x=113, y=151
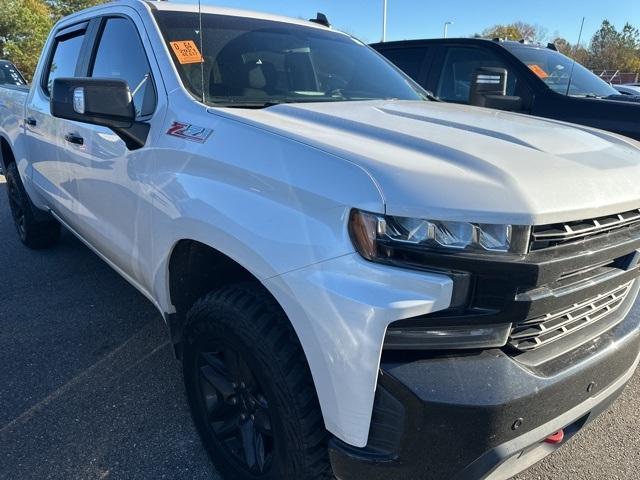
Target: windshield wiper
x=272, y=103
x=248, y=104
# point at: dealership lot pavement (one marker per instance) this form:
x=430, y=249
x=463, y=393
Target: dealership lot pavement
x=89, y=388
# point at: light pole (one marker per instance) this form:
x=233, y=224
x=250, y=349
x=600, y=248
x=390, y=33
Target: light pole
x=446, y=28
x=384, y=20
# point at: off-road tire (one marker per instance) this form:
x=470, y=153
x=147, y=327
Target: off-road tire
x=246, y=319
x=33, y=232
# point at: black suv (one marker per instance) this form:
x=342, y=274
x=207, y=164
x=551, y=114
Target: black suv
x=515, y=76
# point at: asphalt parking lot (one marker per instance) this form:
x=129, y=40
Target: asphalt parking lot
x=89, y=388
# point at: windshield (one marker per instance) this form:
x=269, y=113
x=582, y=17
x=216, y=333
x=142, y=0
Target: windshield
x=554, y=69
x=258, y=62
x=9, y=75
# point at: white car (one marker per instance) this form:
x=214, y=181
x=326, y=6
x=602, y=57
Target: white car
x=360, y=282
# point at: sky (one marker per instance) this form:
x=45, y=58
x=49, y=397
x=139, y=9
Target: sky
x=425, y=18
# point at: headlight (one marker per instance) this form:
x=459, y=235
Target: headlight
x=371, y=232
x=428, y=244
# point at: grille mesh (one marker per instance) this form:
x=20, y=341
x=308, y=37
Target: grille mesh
x=545, y=236
x=537, y=332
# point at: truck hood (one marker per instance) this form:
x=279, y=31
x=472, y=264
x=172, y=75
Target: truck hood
x=453, y=162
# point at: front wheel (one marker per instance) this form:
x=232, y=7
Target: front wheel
x=250, y=390
x=34, y=233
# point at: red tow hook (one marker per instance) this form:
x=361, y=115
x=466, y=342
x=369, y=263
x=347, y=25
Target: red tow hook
x=556, y=438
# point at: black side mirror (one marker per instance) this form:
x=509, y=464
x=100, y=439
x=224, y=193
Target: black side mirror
x=489, y=89
x=104, y=102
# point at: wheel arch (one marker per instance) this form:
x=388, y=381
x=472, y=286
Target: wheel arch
x=194, y=269
x=7, y=157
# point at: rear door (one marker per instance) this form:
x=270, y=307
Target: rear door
x=411, y=60
x=112, y=201
x=45, y=142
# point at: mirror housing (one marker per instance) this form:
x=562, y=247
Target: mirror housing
x=489, y=90
x=104, y=102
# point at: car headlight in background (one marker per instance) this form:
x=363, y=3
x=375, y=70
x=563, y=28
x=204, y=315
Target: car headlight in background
x=402, y=241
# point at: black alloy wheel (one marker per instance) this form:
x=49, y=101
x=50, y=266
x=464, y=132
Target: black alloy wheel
x=250, y=389
x=17, y=207
x=237, y=408
x=36, y=228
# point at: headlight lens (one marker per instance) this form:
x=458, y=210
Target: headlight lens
x=369, y=231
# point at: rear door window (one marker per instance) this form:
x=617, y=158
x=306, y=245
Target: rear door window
x=458, y=68
x=409, y=60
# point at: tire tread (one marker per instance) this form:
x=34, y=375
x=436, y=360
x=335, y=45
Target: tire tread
x=261, y=319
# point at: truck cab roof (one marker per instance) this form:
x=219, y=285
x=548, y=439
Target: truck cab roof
x=166, y=6
x=498, y=42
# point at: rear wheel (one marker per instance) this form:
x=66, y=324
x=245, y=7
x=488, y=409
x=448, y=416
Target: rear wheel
x=250, y=389
x=34, y=233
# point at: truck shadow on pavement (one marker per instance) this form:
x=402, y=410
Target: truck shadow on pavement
x=89, y=387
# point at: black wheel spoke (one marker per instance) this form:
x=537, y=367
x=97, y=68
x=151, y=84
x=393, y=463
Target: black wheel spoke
x=227, y=429
x=215, y=362
x=260, y=452
x=263, y=423
x=234, y=364
x=248, y=433
x=236, y=409
x=221, y=384
x=13, y=195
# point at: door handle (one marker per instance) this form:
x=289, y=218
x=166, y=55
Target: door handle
x=73, y=138
x=30, y=121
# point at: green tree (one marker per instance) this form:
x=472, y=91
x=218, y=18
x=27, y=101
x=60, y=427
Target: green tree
x=629, y=54
x=62, y=8
x=604, y=47
x=515, y=31
x=615, y=50
x=24, y=26
x=609, y=49
x=577, y=52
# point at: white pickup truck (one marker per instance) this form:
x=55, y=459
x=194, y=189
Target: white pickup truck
x=360, y=282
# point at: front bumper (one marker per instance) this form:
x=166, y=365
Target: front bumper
x=485, y=415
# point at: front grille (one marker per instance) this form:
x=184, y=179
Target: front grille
x=546, y=236
x=537, y=332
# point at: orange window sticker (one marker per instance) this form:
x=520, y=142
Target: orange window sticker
x=538, y=70
x=186, y=51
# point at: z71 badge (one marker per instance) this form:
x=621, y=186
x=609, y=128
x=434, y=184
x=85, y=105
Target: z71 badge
x=189, y=132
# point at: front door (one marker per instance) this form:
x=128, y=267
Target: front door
x=112, y=202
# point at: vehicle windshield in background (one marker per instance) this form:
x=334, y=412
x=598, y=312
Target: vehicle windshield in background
x=258, y=62
x=554, y=69
x=9, y=75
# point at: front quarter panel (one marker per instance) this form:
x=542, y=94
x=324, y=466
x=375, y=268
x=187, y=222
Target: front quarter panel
x=270, y=203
